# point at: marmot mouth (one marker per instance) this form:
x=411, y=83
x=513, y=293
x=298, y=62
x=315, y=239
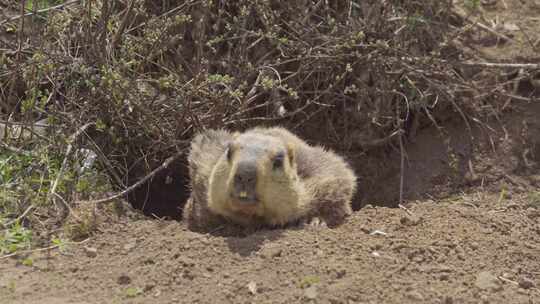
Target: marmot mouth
x=249, y=200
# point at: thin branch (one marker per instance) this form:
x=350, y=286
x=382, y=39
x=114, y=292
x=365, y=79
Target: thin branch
x=379, y=142
x=487, y=28
x=39, y=11
x=52, y=192
x=19, y=218
x=502, y=65
x=165, y=164
x=13, y=149
x=122, y=27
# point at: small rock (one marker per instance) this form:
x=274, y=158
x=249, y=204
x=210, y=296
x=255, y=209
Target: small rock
x=532, y=213
x=311, y=292
x=448, y=300
x=526, y=283
x=484, y=298
x=486, y=280
x=341, y=273
x=474, y=245
x=511, y=27
x=91, y=252
x=130, y=246
x=444, y=277
x=408, y=220
x=272, y=252
x=123, y=279
x=415, y=295
x=365, y=229
x=252, y=287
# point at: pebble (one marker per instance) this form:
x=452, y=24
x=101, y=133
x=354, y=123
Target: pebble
x=415, y=295
x=252, y=287
x=311, y=292
x=448, y=300
x=526, y=283
x=410, y=220
x=486, y=280
x=123, y=279
x=444, y=277
x=484, y=299
x=130, y=246
x=272, y=252
x=91, y=252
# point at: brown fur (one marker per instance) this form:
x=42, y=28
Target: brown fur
x=315, y=182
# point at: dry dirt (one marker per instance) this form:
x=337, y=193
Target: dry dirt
x=481, y=245
x=471, y=249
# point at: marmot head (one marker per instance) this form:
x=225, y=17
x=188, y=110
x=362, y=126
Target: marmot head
x=255, y=176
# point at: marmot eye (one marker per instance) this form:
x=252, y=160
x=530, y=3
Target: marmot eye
x=278, y=160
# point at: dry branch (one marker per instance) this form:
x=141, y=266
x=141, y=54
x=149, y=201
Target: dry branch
x=532, y=66
x=138, y=183
x=40, y=11
x=71, y=141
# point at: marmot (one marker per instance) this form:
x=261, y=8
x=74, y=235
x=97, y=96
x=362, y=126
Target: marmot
x=265, y=177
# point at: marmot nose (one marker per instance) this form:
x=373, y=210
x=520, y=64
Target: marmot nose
x=246, y=174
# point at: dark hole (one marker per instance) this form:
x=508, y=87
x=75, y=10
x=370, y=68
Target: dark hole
x=165, y=194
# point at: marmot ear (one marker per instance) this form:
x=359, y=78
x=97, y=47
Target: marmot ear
x=229, y=150
x=291, y=152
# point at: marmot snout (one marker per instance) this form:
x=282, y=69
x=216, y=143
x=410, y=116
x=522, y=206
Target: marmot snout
x=245, y=183
x=265, y=176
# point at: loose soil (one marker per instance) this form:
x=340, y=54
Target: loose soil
x=477, y=243
x=473, y=249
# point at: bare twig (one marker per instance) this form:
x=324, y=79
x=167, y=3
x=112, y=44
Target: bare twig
x=487, y=28
x=378, y=142
x=122, y=27
x=40, y=11
x=19, y=218
x=165, y=164
x=12, y=149
x=409, y=212
x=52, y=192
x=502, y=65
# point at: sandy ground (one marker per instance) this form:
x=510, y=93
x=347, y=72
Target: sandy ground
x=475, y=248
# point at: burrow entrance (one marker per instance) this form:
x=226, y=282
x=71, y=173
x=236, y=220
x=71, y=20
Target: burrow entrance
x=436, y=165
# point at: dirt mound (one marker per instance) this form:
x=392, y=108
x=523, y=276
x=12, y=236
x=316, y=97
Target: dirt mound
x=471, y=249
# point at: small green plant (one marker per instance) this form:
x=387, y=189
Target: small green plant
x=62, y=244
x=40, y=4
x=132, y=292
x=472, y=5
x=307, y=281
x=15, y=238
x=11, y=286
x=533, y=200
x=28, y=262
